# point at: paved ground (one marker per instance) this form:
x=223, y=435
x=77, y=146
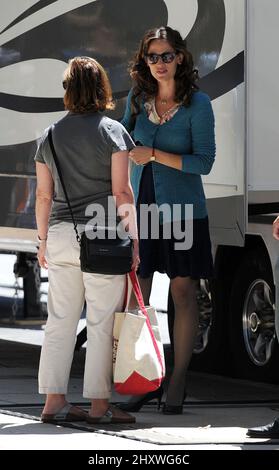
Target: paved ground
x=217, y=413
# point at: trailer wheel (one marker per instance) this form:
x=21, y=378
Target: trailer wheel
x=253, y=345
x=206, y=319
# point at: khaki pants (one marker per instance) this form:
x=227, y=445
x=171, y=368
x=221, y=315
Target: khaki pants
x=68, y=289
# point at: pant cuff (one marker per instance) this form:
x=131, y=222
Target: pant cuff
x=97, y=395
x=48, y=390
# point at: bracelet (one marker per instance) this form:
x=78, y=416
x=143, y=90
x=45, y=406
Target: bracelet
x=41, y=240
x=153, y=157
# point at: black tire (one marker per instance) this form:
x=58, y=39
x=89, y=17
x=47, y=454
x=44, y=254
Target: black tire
x=248, y=304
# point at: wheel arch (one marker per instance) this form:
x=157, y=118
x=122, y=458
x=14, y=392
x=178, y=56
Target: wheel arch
x=228, y=258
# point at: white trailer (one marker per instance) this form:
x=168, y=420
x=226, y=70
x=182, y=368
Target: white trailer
x=232, y=43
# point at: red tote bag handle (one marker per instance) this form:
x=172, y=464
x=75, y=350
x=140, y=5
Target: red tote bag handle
x=139, y=297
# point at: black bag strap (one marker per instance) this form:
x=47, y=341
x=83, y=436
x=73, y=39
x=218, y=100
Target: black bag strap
x=56, y=161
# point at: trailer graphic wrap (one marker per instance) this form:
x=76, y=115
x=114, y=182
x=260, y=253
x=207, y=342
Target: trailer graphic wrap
x=50, y=44
x=37, y=43
x=36, y=7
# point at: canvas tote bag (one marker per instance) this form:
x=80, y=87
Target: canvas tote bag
x=138, y=354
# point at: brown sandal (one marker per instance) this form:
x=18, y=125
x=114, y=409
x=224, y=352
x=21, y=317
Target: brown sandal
x=109, y=418
x=66, y=414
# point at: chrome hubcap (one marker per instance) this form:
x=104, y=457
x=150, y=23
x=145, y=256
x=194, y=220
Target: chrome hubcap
x=258, y=321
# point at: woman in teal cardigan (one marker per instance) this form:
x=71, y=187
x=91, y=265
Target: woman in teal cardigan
x=172, y=123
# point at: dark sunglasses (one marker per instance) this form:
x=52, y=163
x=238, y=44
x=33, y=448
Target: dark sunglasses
x=167, y=57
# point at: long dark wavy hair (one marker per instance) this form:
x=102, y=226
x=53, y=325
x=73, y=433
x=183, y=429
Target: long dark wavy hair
x=146, y=86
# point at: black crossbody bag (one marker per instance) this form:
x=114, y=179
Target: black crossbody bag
x=98, y=255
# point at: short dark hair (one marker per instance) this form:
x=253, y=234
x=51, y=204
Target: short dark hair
x=87, y=87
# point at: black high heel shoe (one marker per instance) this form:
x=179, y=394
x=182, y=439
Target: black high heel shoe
x=136, y=405
x=174, y=409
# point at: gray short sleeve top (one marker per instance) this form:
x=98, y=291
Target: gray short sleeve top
x=84, y=144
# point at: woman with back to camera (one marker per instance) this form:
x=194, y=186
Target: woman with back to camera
x=172, y=124
x=93, y=154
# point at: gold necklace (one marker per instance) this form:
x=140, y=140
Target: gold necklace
x=163, y=101
x=168, y=111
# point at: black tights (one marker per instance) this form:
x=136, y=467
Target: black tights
x=183, y=325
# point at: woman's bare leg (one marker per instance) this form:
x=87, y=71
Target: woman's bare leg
x=145, y=285
x=54, y=403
